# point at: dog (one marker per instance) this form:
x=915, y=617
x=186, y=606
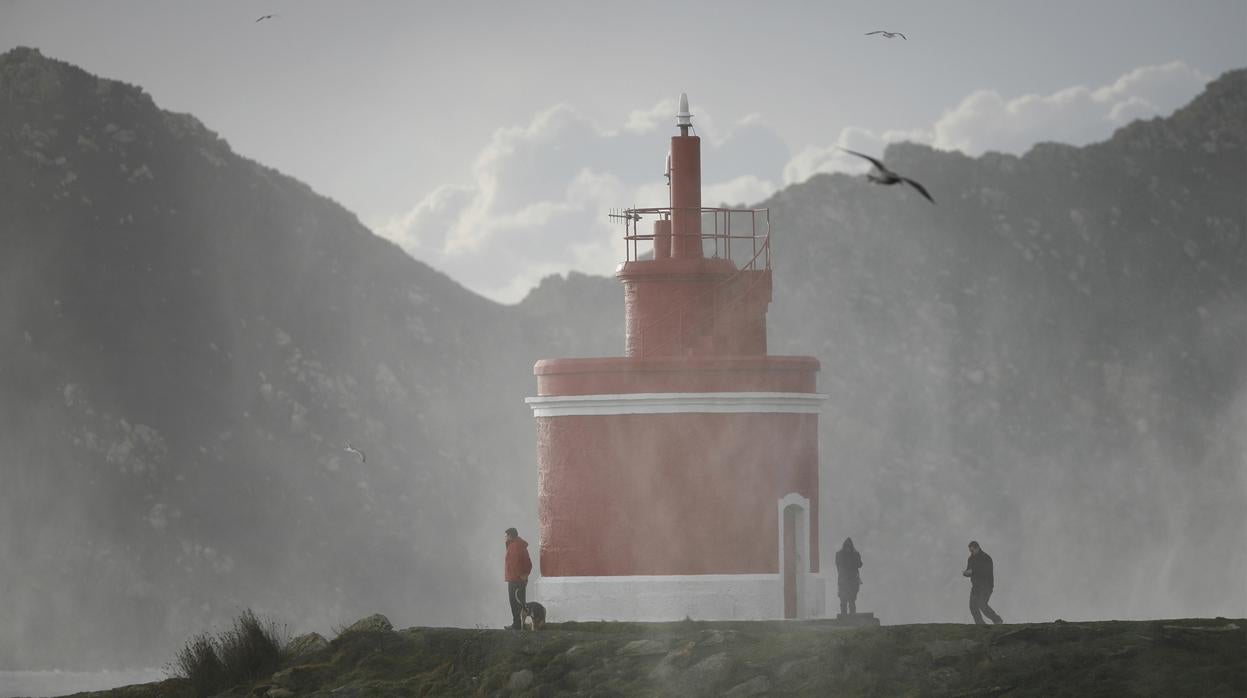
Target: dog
x=532, y=614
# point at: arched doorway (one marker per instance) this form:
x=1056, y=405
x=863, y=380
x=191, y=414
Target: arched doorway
x=794, y=552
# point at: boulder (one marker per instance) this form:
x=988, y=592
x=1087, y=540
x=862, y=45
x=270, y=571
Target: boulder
x=942, y=679
x=376, y=623
x=708, y=672
x=710, y=638
x=582, y=654
x=798, y=670
x=672, y=662
x=520, y=680
x=305, y=644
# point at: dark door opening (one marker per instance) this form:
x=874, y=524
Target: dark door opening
x=791, y=567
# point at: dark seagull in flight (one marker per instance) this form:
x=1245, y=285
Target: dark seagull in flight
x=265, y=17
x=351, y=449
x=887, y=177
x=887, y=35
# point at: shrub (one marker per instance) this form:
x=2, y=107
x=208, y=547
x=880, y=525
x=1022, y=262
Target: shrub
x=250, y=650
x=199, y=664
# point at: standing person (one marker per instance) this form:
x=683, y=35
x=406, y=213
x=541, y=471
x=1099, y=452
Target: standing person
x=848, y=576
x=516, y=567
x=982, y=580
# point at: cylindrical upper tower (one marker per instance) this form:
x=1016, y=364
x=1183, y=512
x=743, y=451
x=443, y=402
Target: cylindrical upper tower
x=685, y=186
x=680, y=302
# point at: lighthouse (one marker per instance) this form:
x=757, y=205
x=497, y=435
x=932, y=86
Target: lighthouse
x=680, y=480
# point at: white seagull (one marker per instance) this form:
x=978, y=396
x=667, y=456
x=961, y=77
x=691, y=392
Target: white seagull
x=887, y=177
x=351, y=449
x=887, y=35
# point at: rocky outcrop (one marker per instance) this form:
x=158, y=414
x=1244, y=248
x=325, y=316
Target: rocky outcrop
x=809, y=658
x=376, y=623
x=306, y=644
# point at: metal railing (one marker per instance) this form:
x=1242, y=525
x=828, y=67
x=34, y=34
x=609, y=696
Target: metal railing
x=716, y=244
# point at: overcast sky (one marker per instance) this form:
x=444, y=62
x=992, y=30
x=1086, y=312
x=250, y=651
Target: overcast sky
x=489, y=138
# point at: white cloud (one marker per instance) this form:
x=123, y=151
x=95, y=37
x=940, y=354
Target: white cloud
x=744, y=190
x=426, y=225
x=815, y=159
x=1077, y=115
x=985, y=120
x=542, y=192
x=646, y=120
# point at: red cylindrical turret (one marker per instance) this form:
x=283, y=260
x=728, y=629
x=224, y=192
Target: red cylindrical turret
x=686, y=197
x=662, y=239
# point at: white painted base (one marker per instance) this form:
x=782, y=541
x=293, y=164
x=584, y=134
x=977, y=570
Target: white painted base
x=668, y=598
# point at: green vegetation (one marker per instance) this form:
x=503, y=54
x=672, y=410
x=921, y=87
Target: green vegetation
x=250, y=650
x=1203, y=657
x=200, y=665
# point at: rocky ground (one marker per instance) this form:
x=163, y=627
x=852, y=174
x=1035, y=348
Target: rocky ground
x=1191, y=657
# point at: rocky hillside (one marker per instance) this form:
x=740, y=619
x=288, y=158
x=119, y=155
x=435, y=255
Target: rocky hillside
x=1158, y=658
x=1051, y=360
x=189, y=340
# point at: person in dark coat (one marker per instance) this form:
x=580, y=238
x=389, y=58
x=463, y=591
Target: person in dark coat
x=848, y=576
x=982, y=581
x=516, y=568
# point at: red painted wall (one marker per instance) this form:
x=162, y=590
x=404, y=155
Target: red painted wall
x=615, y=375
x=671, y=493
x=694, y=306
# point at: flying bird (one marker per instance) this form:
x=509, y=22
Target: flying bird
x=265, y=17
x=351, y=449
x=887, y=177
x=887, y=35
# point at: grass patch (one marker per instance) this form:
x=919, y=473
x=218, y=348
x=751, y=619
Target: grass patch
x=251, y=649
x=795, y=658
x=199, y=664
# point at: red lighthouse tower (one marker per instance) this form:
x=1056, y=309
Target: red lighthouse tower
x=681, y=480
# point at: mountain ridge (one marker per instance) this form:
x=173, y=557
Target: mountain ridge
x=190, y=338
x=205, y=275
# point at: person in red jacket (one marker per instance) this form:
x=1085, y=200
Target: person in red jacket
x=516, y=568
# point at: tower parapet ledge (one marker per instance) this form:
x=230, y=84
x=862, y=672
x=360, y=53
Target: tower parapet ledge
x=675, y=374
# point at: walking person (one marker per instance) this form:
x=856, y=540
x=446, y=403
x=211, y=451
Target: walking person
x=848, y=576
x=982, y=580
x=516, y=568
